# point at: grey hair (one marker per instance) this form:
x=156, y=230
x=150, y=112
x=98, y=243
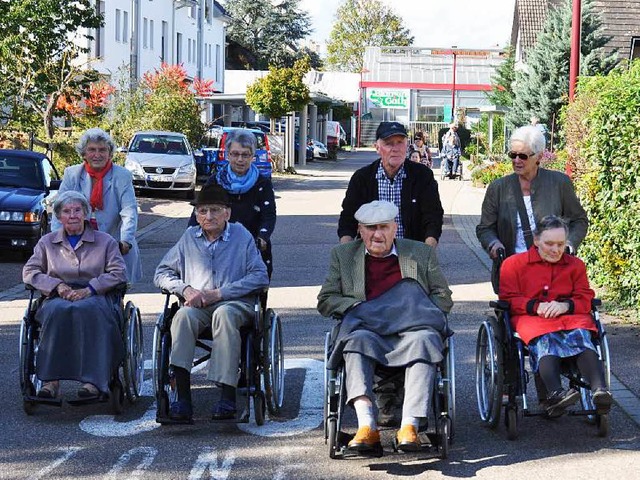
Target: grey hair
x=242, y=137
x=531, y=136
x=551, y=222
x=69, y=196
x=95, y=135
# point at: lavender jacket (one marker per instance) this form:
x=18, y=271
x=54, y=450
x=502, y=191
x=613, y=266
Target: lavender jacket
x=95, y=261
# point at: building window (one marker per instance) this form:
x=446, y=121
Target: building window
x=209, y=54
x=192, y=11
x=178, y=48
x=188, y=50
x=118, y=24
x=125, y=27
x=99, y=47
x=151, y=34
x=145, y=33
x=208, y=11
x=634, y=52
x=217, y=62
x=164, y=49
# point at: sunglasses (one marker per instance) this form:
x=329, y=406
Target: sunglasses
x=521, y=156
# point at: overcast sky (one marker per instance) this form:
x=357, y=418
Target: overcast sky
x=433, y=23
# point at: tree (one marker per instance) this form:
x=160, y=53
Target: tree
x=263, y=33
x=502, y=81
x=39, y=50
x=281, y=91
x=542, y=89
x=362, y=23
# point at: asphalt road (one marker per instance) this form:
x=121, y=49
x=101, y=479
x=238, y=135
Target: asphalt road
x=87, y=442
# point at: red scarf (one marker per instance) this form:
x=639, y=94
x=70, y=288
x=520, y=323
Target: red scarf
x=96, y=190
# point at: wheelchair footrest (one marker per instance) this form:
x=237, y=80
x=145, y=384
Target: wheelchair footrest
x=101, y=398
x=170, y=421
x=53, y=402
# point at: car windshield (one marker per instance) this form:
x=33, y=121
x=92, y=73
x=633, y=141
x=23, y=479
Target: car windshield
x=160, y=144
x=20, y=172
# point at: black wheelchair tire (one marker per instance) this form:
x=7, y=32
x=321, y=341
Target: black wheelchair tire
x=134, y=361
x=116, y=397
x=259, y=405
x=602, y=422
x=333, y=437
x=273, y=360
x=444, y=430
x=489, y=403
x=511, y=422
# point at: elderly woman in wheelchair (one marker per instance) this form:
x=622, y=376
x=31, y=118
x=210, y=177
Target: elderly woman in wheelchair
x=75, y=331
x=548, y=311
x=217, y=270
x=391, y=298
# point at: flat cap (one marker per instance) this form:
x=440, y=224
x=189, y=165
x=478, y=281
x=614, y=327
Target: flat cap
x=376, y=213
x=389, y=129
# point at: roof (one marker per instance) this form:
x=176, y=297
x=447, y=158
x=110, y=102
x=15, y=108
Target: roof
x=23, y=153
x=158, y=132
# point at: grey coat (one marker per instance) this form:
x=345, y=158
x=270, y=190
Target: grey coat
x=551, y=194
x=119, y=218
x=345, y=283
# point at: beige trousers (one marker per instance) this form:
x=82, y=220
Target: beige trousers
x=225, y=319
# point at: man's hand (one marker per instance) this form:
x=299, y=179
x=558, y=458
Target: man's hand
x=261, y=243
x=212, y=296
x=193, y=298
x=346, y=239
x=493, y=251
x=431, y=241
x=552, y=309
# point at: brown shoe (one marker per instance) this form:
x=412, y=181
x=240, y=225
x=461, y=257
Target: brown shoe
x=407, y=438
x=365, y=439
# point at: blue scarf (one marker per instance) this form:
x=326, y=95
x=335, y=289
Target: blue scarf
x=236, y=184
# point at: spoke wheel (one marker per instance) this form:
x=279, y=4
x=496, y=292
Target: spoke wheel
x=489, y=373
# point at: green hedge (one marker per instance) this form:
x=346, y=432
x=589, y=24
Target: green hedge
x=605, y=155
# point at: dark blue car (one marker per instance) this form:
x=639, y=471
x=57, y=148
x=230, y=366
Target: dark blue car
x=26, y=180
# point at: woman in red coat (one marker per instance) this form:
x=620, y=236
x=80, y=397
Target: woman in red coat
x=550, y=305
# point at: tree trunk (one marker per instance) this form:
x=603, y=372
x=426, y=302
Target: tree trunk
x=48, y=115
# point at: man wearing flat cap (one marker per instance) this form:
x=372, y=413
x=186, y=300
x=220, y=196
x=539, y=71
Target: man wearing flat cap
x=391, y=297
x=217, y=269
x=409, y=185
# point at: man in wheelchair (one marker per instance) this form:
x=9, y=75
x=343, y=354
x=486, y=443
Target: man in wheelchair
x=217, y=269
x=390, y=295
x=550, y=305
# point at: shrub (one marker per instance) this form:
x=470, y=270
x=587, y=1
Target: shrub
x=491, y=171
x=607, y=174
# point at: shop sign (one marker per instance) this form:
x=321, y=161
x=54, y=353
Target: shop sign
x=388, y=98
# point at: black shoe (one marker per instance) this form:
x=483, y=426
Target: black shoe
x=602, y=400
x=559, y=400
x=223, y=410
x=181, y=411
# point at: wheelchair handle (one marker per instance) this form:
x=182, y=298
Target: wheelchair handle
x=501, y=254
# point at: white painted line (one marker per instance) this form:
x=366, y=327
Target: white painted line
x=311, y=411
x=69, y=452
x=148, y=455
x=208, y=460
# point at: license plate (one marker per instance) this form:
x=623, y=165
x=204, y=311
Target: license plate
x=159, y=178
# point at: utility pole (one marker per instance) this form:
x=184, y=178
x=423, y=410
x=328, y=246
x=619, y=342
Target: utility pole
x=574, y=61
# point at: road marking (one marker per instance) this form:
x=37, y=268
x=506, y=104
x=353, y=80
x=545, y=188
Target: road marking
x=208, y=459
x=148, y=456
x=69, y=452
x=311, y=404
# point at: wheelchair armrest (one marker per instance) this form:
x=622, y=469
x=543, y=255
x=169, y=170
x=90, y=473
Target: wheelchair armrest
x=29, y=287
x=121, y=288
x=500, y=305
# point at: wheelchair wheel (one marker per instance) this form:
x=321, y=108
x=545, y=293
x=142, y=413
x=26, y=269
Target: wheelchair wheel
x=327, y=342
x=29, y=383
x=332, y=428
x=602, y=422
x=259, y=406
x=450, y=388
x=585, y=393
x=160, y=365
x=116, y=397
x=511, y=422
x=134, y=361
x=489, y=372
x=273, y=363
x=444, y=434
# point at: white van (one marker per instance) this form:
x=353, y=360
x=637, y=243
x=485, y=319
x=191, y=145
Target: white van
x=336, y=134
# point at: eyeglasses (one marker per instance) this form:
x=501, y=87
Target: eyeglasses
x=215, y=210
x=236, y=155
x=521, y=156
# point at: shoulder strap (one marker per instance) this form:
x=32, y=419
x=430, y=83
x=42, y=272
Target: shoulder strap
x=522, y=211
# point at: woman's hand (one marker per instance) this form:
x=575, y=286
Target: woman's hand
x=124, y=247
x=552, y=309
x=68, y=293
x=493, y=251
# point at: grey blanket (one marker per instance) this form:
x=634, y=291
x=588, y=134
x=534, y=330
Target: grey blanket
x=402, y=326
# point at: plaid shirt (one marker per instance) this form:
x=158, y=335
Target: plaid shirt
x=390, y=189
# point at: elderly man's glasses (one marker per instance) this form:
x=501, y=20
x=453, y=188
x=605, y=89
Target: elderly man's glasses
x=214, y=210
x=521, y=156
x=244, y=156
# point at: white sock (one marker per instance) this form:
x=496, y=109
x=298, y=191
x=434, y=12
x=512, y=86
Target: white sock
x=364, y=412
x=415, y=421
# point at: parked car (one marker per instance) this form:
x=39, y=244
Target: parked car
x=309, y=152
x=319, y=149
x=28, y=184
x=161, y=161
x=213, y=148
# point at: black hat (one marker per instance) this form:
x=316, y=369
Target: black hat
x=388, y=129
x=212, y=194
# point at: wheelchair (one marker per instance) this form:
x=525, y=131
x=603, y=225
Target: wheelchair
x=261, y=366
x=438, y=435
x=502, y=379
x=446, y=164
x=126, y=381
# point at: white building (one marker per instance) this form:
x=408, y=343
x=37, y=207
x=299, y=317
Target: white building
x=143, y=34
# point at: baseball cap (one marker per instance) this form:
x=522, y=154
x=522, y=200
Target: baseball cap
x=388, y=129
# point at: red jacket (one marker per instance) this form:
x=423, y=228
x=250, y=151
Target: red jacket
x=526, y=280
